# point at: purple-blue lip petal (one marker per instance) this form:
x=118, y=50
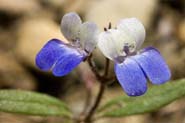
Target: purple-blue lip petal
x=49, y=54
x=59, y=57
x=153, y=65
x=131, y=77
x=67, y=63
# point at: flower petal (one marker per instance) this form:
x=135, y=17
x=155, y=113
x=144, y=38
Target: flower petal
x=67, y=63
x=131, y=77
x=88, y=35
x=112, y=43
x=153, y=65
x=135, y=28
x=70, y=25
x=60, y=57
x=49, y=54
x=106, y=44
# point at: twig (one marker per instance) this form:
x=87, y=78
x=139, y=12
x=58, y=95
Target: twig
x=96, y=104
x=93, y=67
x=106, y=67
x=102, y=80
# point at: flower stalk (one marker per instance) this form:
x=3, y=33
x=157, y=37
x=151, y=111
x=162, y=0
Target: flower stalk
x=102, y=79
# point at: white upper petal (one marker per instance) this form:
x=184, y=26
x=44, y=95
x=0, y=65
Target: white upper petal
x=88, y=35
x=70, y=25
x=112, y=43
x=135, y=28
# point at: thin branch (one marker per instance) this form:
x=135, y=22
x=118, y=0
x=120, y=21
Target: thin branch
x=96, y=104
x=93, y=67
x=106, y=67
x=110, y=25
x=102, y=80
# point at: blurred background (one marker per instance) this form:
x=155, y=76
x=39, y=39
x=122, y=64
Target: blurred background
x=26, y=25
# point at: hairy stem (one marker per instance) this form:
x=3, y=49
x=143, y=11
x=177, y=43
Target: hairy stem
x=96, y=103
x=102, y=80
x=107, y=67
x=94, y=68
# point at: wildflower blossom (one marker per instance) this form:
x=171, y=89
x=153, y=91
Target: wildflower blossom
x=62, y=57
x=133, y=66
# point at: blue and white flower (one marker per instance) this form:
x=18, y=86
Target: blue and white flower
x=132, y=66
x=62, y=57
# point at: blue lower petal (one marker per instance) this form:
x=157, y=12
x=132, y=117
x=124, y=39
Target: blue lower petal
x=131, y=77
x=59, y=57
x=67, y=63
x=49, y=54
x=153, y=65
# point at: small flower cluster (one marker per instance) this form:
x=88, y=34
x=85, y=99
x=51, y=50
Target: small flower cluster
x=132, y=66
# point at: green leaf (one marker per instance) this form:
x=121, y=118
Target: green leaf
x=155, y=98
x=32, y=103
